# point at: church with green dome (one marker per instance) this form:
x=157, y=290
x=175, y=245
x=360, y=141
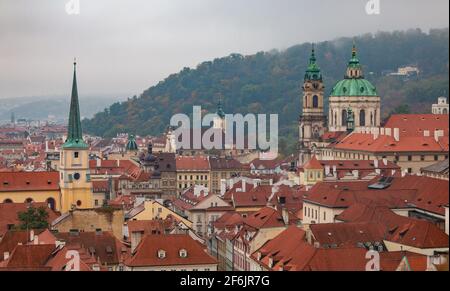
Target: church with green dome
x=354, y=103
x=355, y=93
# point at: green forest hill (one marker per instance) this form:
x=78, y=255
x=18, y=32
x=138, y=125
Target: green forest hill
x=270, y=82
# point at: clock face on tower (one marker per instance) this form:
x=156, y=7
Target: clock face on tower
x=77, y=176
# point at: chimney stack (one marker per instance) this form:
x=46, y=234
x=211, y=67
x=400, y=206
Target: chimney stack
x=285, y=215
x=327, y=170
x=5, y=256
x=397, y=134
x=388, y=131
x=438, y=134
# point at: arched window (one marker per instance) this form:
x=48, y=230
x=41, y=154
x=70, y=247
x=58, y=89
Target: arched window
x=8, y=201
x=51, y=203
x=29, y=200
x=445, y=111
x=362, y=118
x=315, y=101
x=371, y=119
x=335, y=119
x=344, y=117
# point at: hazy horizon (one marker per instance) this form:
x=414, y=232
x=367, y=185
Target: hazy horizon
x=124, y=49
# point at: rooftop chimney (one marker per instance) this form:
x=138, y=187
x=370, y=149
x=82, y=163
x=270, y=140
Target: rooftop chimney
x=388, y=131
x=5, y=256
x=375, y=163
x=327, y=170
x=285, y=215
x=438, y=134
x=426, y=133
x=397, y=134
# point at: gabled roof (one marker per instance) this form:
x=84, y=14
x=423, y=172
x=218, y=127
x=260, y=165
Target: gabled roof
x=313, y=164
x=29, y=256
x=106, y=246
x=146, y=254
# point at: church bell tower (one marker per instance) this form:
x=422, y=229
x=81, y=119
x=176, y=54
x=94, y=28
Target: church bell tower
x=312, y=121
x=75, y=181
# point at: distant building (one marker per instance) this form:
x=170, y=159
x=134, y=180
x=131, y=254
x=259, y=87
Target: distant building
x=438, y=170
x=442, y=107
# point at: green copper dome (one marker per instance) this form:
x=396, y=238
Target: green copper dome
x=354, y=84
x=354, y=87
x=132, y=145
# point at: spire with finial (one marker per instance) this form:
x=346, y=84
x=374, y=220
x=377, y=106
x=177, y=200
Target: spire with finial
x=313, y=70
x=74, y=132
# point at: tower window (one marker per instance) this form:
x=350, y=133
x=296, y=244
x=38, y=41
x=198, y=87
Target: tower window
x=362, y=118
x=76, y=155
x=344, y=117
x=315, y=101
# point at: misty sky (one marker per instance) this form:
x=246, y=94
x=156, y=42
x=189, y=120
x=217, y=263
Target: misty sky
x=125, y=46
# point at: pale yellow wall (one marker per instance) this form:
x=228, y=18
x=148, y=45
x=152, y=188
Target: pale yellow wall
x=396, y=247
x=186, y=178
x=37, y=196
x=324, y=214
x=75, y=190
x=311, y=177
x=155, y=210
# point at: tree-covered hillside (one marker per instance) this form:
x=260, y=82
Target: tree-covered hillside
x=270, y=82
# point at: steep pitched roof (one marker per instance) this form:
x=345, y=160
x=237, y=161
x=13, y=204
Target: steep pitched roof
x=146, y=254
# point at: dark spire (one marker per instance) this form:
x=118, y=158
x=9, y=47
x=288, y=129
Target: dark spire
x=220, y=111
x=313, y=70
x=74, y=132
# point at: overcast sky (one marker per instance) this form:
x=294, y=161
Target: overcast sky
x=125, y=46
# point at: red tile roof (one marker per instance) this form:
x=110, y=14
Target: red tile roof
x=268, y=217
x=29, y=181
x=29, y=256
x=192, y=163
x=146, y=254
x=404, y=192
x=416, y=124
x=403, y=230
x=387, y=144
x=313, y=164
x=107, y=247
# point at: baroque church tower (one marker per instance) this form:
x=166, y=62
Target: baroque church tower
x=75, y=181
x=312, y=121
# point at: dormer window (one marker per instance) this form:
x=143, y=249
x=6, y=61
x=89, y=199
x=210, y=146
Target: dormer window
x=183, y=253
x=161, y=254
